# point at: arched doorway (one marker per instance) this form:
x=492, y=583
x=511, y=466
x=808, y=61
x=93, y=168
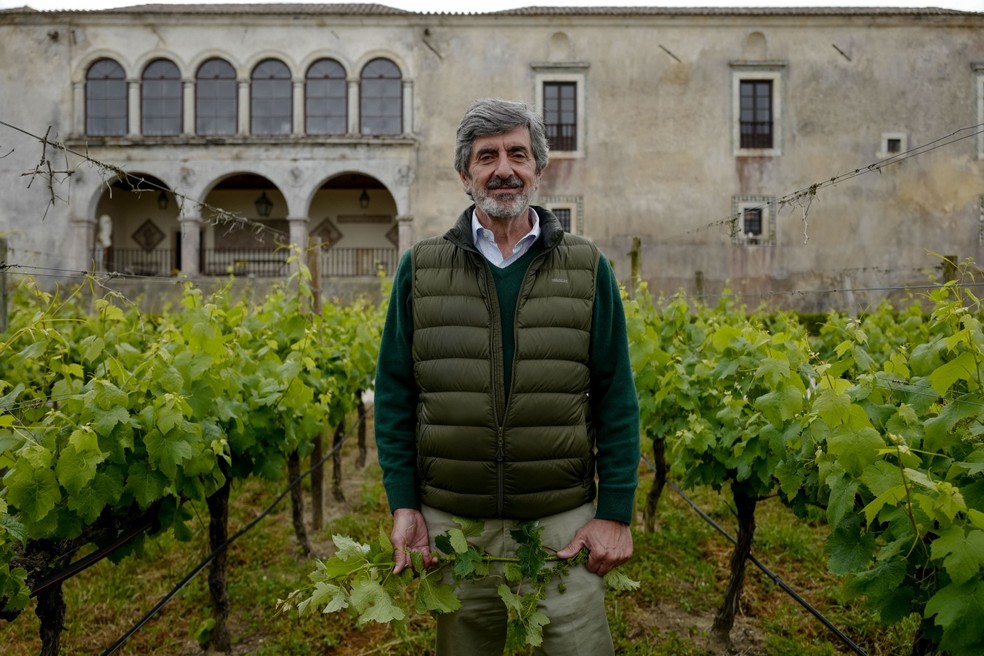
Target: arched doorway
x=137, y=230
x=353, y=215
x=246, y=229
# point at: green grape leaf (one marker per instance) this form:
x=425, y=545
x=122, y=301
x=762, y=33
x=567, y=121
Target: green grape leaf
x=962, y=554
x=513, y=572
x=843, y=491
x=373, y=603
x=892, y=496
x=103, y=421
x=855, y=448
x=33, y=491
x=962, y=367
x=435, y=597
x=145, y=484
x=849, y=549
x=958, y=610
x=76, y=466
x=468, y=563
x=329, y=597
x=618, y=581
x=458, y=542
x=347, y=549
x=470, y=527
x=167, y=452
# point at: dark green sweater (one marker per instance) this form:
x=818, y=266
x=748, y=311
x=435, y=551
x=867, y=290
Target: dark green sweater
x=615, y=410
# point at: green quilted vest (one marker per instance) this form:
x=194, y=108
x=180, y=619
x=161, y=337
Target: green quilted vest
x=478, y=456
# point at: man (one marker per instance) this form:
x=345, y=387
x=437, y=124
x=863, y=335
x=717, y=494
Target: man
x=504, y=385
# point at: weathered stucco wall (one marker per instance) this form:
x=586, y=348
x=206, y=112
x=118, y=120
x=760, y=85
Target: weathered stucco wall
x=657, y=160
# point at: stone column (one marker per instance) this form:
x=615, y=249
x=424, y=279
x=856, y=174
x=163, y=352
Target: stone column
x=353, y=107
x=243, y=107
x=404, y=224
x=191, y=239
x=82, y=244
x=78, y=107
x=298, y=240
x=133, y=107
x=188, y=103
x=407, y=107
x=299, y=108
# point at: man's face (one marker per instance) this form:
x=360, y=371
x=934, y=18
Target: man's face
x=502, y=174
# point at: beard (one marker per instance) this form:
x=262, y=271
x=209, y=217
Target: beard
x=502, y=207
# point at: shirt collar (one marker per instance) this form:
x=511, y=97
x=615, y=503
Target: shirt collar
x=479, y=231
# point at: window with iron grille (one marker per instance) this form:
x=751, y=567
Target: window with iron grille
x=216, y=98
x=563, y=215
x=271, y=98
x=560, y=114
x=381, y=98
x=105, y=99
x=752, y=222
x=756, y=114
x=161, y=98
x=326, y=98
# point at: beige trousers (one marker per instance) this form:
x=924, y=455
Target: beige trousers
x=578, y=620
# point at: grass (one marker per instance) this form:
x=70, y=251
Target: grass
x=682, y=566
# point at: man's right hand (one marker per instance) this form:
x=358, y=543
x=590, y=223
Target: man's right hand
x=409, y=534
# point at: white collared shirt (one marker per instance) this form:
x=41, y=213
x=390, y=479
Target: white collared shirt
x=485, y=241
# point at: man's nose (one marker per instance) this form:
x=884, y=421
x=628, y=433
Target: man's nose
x=503, y=167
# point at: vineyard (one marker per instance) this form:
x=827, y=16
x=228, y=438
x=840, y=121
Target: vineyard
x=142, y=439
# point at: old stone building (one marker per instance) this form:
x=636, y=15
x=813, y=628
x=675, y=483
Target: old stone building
x=782, y=152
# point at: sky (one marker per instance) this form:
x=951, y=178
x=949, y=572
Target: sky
x=494, y=5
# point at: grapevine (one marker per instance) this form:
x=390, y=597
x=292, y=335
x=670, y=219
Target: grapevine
x=358, y=579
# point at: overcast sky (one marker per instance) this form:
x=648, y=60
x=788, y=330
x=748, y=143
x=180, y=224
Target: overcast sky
x=493, y=5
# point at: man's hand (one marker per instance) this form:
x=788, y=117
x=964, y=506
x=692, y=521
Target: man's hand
x=409, y=534
x=609, y=543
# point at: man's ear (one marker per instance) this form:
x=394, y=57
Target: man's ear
x=465, y=180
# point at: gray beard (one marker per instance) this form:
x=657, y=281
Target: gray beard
x=503, y=209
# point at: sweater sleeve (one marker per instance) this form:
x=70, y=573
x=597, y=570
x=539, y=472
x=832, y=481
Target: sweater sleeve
x=396, y=395
x=614, y=404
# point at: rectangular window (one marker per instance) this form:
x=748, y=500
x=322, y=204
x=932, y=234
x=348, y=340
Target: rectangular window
x=559, y=90
x=560, y=114
x=756, y=114
x=756, y=108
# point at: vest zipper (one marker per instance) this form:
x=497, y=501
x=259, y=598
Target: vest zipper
x=498, y=386
x=500, y=457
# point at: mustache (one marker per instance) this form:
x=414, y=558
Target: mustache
x=512, y=182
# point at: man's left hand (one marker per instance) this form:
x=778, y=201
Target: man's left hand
x=609, y=543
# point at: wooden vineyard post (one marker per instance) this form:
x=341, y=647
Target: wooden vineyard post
x=317, y=454
x=634, y=266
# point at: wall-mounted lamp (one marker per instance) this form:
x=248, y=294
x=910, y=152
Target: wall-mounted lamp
x=163, y=200
x=364, y=199
x=263, y=205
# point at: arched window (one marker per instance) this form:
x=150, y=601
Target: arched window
x=271, y=106
x=381, y=102
x=160, y=96
x=105, y=98
x=326, y=98
x=216, y=98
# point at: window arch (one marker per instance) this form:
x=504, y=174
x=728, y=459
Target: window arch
x=381, y=102
x=271, y=98
x=160, y=98
x=326, y=98
x=216, y=101
x=105, y=98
